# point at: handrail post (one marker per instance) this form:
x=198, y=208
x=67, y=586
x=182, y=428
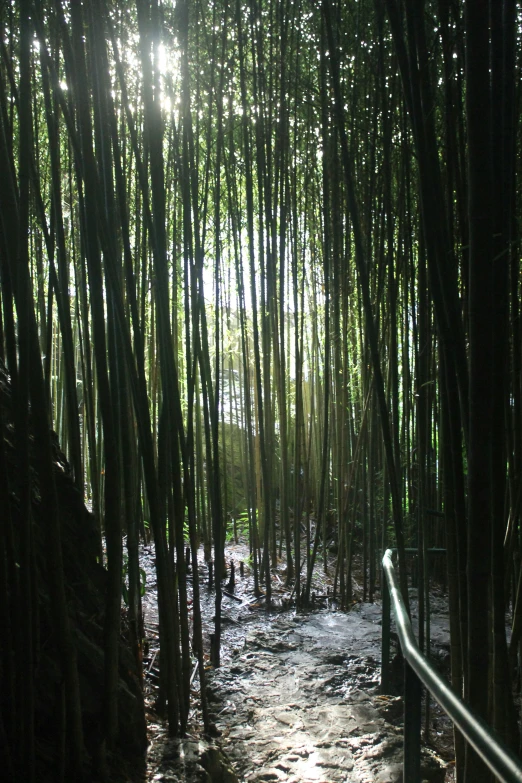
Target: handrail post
x=412, y=725
x=385, y=636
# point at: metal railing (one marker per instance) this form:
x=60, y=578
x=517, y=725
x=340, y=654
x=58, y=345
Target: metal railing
x=499, y=758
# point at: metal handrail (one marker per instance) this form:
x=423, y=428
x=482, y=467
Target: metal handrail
x=499, y=758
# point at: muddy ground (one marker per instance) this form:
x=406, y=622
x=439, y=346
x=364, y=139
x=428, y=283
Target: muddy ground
x=297, y=696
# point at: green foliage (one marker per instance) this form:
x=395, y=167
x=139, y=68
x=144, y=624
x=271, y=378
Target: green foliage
x=241, y=525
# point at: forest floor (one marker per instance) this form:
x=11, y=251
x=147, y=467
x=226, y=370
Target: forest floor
x=296, y=698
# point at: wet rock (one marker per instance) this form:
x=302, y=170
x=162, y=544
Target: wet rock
x=392, y=773
x=268, y=774
x=194, y=760
x=432, y=771
x=384, y=748
x=391, y=708
x=265, y=642
x=215, y=762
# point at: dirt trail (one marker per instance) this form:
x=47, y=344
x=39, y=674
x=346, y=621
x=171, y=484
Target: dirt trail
x=297, y=700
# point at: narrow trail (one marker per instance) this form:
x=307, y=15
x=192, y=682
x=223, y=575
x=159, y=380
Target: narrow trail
x=297, y=700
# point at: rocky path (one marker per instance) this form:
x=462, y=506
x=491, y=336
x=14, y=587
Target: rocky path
x=300, y=703
x=297, y=700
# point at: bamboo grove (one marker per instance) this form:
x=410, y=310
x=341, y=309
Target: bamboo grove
x=260, y=274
